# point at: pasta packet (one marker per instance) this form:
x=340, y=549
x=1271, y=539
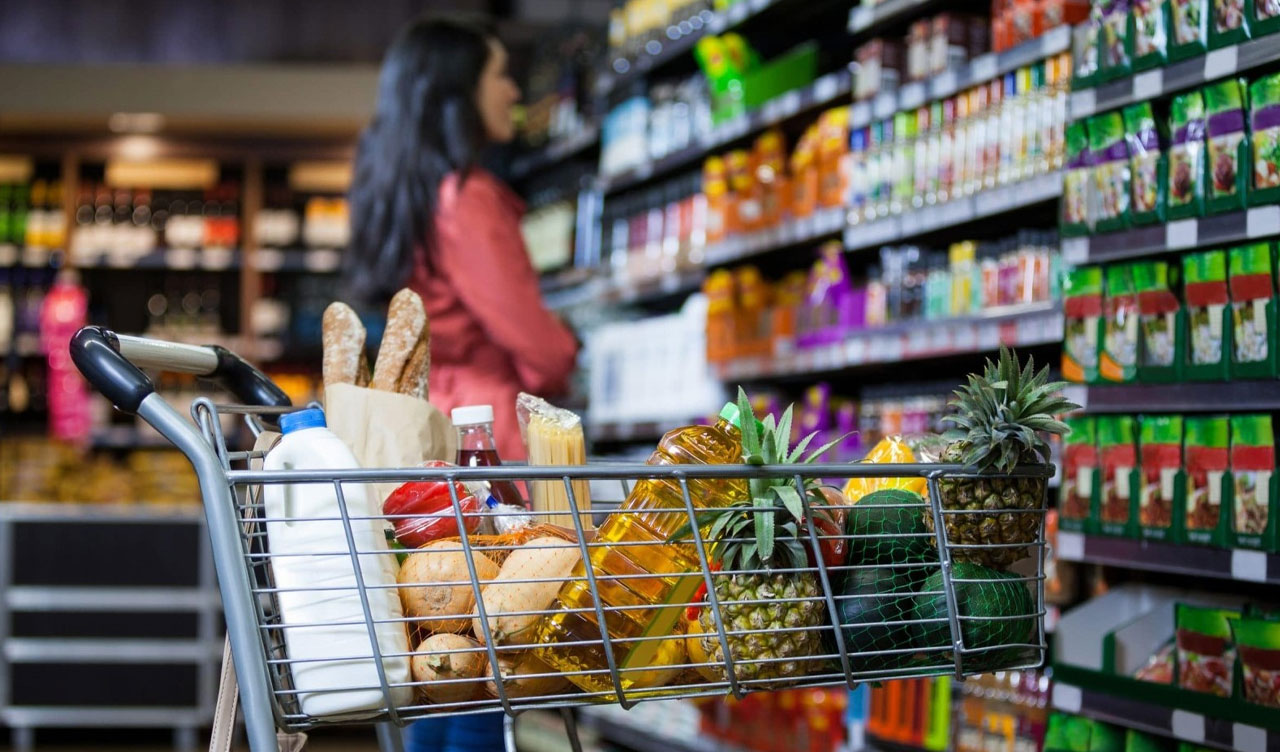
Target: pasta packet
x=1258, y=644
x=1083, y=312
x=1208, y=480
x=1117, y=47
x=1117, y=445
x=1118, y=360
x=1253, y=311
x=1160, y=496
x=1077, y=189
x=1206, y=655
x=1080, y=474
x=554, y=436
x=1253, y=475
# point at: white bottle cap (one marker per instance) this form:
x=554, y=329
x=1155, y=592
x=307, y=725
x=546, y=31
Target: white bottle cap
x=470, y=415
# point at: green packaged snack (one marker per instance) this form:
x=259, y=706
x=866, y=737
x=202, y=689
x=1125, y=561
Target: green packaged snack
x=1118, y=452
x=1257, y=642
x=1228, y=23
x=1208, y=462
x=1116, y=46
x=1081, y=474
x=1162, y=489
x=1264, y=128
x=1118, y=359
x=1083, y=314
x=1253, y=312
x=1264, y=17
x=1186, y=156
x=1228, y=158
x=1110, y=153
x=1106, y=738
x=1067, y=733
x=1206, y=656
x=1162, y=321
x=1148, y=171
x=1076, y=188
x=1254, y=489
x=1084, y=51
x=1207, y=299
x=1137, y=741
x=1188, y=25
x=1147, y=32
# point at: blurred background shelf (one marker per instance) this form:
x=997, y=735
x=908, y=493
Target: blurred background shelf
x=1155, y=556
x=1191, y=397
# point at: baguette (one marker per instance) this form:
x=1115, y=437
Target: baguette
x=406, y=321
x=362, y=375
x=343, y=338
x=413, y=381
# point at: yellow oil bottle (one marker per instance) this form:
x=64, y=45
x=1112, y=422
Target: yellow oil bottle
x=637, y=603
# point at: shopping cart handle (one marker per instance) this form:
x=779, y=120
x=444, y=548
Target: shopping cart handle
x=111, y=364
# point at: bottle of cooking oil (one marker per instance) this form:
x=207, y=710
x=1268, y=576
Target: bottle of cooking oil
x=639, y=533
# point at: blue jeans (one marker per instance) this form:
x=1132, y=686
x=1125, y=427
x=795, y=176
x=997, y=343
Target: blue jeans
x=463, y=733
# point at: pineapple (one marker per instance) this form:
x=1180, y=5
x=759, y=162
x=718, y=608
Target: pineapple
x=753, y=537
x=1000, y=416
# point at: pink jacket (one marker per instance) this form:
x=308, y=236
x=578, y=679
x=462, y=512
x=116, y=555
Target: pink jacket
x=491, y=335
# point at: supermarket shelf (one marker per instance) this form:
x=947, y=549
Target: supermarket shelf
x=177, y=259
x=1152, y=556
x=51, y=598
x=1175, y=77
x=823, y=223
x=824, y=91
x=1182, y=234
x=25, y=345
x=1179, y=723
x=1021, y=195
x=90, y=650
x=103, y=717
x=979, y=70
x=1016, y=326
x=310, y=260
x=1197, y=397
x=555, y=152
x=865, y=16
x=667, y=286
x=26, y=256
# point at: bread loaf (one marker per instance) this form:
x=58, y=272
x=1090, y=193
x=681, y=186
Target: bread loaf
x=343, y=338
x=413, y=381
x=406, y=321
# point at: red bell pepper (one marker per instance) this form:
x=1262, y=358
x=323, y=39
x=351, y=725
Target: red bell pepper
x=422, y=511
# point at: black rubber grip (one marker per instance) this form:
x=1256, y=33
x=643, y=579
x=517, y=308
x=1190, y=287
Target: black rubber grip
x=96, y=352
x=248, y=384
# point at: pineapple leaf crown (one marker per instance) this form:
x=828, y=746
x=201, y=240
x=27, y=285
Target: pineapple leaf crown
x=1001, y=414
x=764, y=530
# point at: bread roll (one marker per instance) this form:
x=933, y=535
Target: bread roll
x=406, y=320
x=343, y=338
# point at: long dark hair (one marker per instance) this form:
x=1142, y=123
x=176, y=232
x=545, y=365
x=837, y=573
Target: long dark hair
x=425, y=127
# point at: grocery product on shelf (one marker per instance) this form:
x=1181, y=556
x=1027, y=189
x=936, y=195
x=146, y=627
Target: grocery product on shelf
x=1257, y=640
x=1002, y=711
x=1118, y=358
x=62, y=312
x=1205, y=654
x=1162, y=485
x=1264, y=17
x=1117, y=47
x=1147, y=166
x=1111, y=176
x=1188, y=22
x=1077, y=183
x=1264, y=125
x=1118, y=447
x=1081, y=481
x=635, y=26
x=1226, y=119
x=1162, y=320
x=1254, y=483
x=788, y=720
x=881, y=67
x=1253, y=303
x=1208, y=323
x=124, y=224
x=1084, y=326
x=554, y=436
x=1149, y=34
x=1187, y=162
x=1209, y=485
x=1228, y=24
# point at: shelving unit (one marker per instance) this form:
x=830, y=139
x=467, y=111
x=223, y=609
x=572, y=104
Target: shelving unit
x=1179, y=235
x=1154, y=556
x=557, y=151
x=1198, y=397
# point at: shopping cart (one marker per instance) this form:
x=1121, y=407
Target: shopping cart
x=886, y=634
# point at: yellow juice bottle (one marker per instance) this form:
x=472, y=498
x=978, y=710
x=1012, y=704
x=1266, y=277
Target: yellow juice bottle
x=638, y=538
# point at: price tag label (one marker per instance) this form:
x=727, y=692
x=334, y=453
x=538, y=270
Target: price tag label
x=1083, y=103
x=216, y=259
x=738, y=13
x=1219, y=63
x=1070, y=546
x=790, y=104
x=861, y=18
x=1247, y=738
x=988, y=336
x=1075, y=251
x=1249, y=565
x=941, y=337
x=944, y=84
x=1263, y=221
x=1188, y=726
x=982, y=68
x=181, y=258
x=1067, y=698
x=826, y=88
x=8, y=254
x=885, y=105
x=855, y=351
x=860, y=115
x=917, y=341
x=966, y=338
x=911, y=96
x=1148, y=84
x=1181, y=234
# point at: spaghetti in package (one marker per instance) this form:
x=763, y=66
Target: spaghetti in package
x=554, y=436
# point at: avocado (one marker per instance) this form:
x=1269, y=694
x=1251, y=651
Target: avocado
x=901, y=535
x=873, y=596
x=992, y=594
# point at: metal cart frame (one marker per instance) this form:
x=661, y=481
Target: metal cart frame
x=112, y=364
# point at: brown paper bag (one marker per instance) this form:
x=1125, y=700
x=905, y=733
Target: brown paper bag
x=387, y=429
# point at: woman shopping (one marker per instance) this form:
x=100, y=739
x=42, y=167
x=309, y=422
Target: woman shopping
x=426, y=215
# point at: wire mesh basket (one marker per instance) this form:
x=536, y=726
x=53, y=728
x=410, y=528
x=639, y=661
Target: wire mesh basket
x=891, y=588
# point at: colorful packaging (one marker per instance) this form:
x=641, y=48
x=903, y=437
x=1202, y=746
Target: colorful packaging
x=1253, y=463
x=1206, y=656
x=1148, y=35
x=1081, y=474
x=1162, y=321
x=1186, y=156
x=1208, y=495
x=1082, y=309
x=1257, y=641
x=1118, y=360
x=1110, y=171
x=1163, y=487
x=1207, y=297
x=1228, y=24
x=1137, y=741
x=1118, y=450
x=1148, y=169
x=1117, y=49
x=1264, y=127
x=1084, y=52
x=1188, y=25
x=1159, y=667
x=1264, y=17
x=1228, y=162
x=1076, y=183
x=1253, y=311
